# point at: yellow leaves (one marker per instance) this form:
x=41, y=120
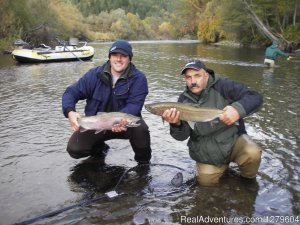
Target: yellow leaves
x=7, y=22
x=166, y=29
x=209, y=28
x=131, y=16
x=69, y=16
x=135, y=21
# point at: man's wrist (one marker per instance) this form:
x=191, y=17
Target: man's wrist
x=68, y=110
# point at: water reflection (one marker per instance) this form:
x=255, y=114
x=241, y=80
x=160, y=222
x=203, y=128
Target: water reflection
x=38, y=176
x=94, y=177
x=233, y=197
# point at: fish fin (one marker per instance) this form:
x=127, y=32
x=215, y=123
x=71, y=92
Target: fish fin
x=98, y=131
x=212, y=120
x=132, y=125
x=82, y=129
x=192, y=124
x=163, y=120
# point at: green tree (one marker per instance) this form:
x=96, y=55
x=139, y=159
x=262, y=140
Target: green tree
x=37, y=21
x=234, y=21
x=280, y=17
x=15, y=19
x=187, y=16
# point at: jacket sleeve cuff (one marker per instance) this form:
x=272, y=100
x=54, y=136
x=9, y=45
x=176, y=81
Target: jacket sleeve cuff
x=239, y=107
x=176, y=126
x=66, y=112
x=182, y=128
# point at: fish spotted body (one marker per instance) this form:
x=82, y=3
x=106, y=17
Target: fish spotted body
x=105, y=121
x=188, y=112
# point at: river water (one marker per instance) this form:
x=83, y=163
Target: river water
x=38, y=176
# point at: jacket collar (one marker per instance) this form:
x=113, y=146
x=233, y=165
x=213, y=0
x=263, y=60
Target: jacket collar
x=127, y=73
x=105, y=74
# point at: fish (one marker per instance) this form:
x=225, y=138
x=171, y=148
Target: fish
x=105, y=121
x=191, y=113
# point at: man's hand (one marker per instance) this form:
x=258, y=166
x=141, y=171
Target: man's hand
x=230, y=115
x=172, y=116
x=120, y=127
x=72, y=117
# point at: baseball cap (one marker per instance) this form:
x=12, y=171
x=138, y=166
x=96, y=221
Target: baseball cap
x=196, y=65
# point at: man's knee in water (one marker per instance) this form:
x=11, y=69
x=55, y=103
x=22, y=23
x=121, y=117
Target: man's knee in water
x=250, y=165
x=253, y=153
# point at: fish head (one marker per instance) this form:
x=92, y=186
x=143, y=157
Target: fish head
x=132, y=121
x=157, y=109
x=153, y=107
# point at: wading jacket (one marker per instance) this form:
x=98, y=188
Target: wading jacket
x=128, y=95
x=272, y=52
x=212, y=142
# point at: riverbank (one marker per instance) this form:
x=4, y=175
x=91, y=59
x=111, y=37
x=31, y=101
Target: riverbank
x=9, y=49
x=292, y=48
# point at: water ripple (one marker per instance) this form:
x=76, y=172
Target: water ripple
x=36, y=168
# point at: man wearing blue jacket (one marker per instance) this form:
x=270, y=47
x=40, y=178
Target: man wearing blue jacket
x=213, y=145
x=116, y=86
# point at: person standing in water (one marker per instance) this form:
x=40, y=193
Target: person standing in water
x=272, y=52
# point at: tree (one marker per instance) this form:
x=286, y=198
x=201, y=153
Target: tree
x=15, y=19
x=279, y=18
x=187, y=16
x=209, y=25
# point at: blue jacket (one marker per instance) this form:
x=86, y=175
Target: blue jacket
x=128, y=95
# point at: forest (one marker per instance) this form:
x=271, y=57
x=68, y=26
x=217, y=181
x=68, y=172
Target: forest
x=210, y=21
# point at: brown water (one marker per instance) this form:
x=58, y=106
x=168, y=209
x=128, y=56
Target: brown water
x=37, y=175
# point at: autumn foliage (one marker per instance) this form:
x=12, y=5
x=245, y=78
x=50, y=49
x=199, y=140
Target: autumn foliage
x=36, y=21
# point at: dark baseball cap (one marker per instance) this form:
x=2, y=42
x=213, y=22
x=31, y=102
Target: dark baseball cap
x=196, y=65
x=121, y=46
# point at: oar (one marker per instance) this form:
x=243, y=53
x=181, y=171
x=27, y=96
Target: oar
x=64, y=44
x=73, y=54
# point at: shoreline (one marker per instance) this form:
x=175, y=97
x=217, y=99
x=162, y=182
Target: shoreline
x=228, y=43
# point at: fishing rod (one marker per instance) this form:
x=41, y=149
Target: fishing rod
x=108, y=195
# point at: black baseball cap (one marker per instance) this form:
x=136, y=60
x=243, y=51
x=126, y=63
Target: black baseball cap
x=196, y=65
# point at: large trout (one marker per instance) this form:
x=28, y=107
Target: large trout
x=105, y=121
x=188, y=112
